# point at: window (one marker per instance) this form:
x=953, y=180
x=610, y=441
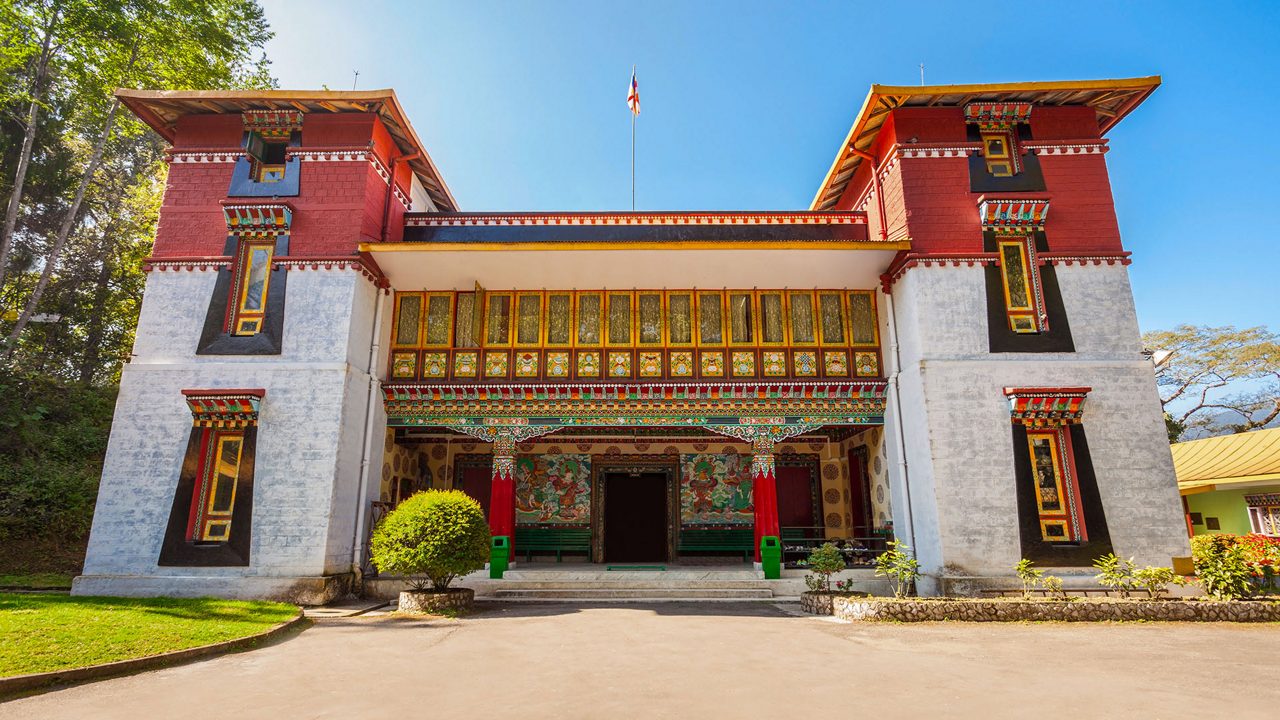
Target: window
x=1264, y=513
x=680, y=319
x=439, y=315
x=215, y=497
x=832, y=314
x=497, y=319
x=588, y=319
x=741, y=318
x=254, y=275
x=862, y=318
x=772, y=323
x=1021, y=279
x=266, y=156
x=620, y=319
x=996, y=149
x=649, y=310
x=710, y=319
x=802, y=320
x=559, y=318
x=464, y=335
x=528, y=319
x=1047, y=415
x=408, y=319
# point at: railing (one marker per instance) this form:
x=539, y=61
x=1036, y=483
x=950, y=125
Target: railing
x=797, y=542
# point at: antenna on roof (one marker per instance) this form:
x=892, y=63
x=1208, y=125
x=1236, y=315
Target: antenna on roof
x=356, y=79
x=921, y=73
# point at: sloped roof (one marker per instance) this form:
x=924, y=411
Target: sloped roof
x=161, y=109
x=1111, y=99
x=1228, y=459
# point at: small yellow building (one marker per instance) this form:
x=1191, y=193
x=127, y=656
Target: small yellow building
x=1231, y=483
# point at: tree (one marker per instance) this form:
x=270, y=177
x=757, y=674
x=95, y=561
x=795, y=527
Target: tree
x=84, y=176
x=1216, y=371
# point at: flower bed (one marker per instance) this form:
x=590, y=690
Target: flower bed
x=1082, y=610
x=431, y=602
x=820, y=603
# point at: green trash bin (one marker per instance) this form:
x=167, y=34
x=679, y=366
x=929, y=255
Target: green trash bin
x=771, y=557
x=499, y=552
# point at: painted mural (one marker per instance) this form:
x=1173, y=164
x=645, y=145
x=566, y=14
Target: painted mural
x=715, y=489
x=553, y=489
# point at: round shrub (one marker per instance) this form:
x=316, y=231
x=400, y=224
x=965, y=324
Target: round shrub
x=437, y=534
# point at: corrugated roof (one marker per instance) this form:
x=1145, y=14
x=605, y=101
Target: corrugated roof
x=1228, y=459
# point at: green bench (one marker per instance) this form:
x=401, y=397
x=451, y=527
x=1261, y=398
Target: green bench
x=718, y=540
x=530, y=540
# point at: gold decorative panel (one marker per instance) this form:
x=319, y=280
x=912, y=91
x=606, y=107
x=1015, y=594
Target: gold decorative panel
x=650, y=364
x=804, y=363
x=773, y=363
x=866, y=364
x=835, y=364
x=712, y=364
x=557, y=364
x=681, y=363
x=744, y=364
x=526, y=364
x=404, y=365
x=619, y=364
x=588, y=364
x=466, y=364
x=435, y=365
x=496, y=364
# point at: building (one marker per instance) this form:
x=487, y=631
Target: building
x=1231, y=483
x=926, y=352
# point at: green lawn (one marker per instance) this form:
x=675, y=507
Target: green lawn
x=36, y=580
x=54, y=632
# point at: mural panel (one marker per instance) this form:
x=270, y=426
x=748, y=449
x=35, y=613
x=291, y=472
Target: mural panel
x=553, y=489
x=715, y=489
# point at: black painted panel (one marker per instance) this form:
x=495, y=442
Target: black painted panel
x=1000, y=336
x=214, y=340
x=1095, y=520
x=177, y=551
x=1031, y=179
x=242, y=185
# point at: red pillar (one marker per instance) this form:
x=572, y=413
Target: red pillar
x=502, y=493
x=764, y=492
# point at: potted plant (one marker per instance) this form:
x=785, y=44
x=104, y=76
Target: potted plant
x=430, y=539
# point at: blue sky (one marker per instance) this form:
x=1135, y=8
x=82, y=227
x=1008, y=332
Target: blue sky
x=523, y=107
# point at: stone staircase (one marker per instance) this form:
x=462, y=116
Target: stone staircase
x=632, y=585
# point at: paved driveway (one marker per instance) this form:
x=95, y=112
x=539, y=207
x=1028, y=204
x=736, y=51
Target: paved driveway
x=685, y=660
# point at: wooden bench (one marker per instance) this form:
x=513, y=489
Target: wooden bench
x=530, y=540
x=719, y=540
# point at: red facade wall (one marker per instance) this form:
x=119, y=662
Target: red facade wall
x=928, y=199
x=339, y=205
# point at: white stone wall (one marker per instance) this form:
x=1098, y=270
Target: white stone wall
x=959, y=447
x=310, y=434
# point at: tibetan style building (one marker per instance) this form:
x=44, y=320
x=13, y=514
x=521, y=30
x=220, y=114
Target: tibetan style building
x=942, y=349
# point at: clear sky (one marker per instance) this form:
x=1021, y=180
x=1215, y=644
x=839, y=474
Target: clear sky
x=523, y=107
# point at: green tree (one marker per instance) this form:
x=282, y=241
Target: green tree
x=1212, y=371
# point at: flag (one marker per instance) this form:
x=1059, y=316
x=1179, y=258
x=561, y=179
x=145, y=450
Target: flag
x=633, y=94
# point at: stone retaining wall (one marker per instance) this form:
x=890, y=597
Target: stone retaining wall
x=922, y=610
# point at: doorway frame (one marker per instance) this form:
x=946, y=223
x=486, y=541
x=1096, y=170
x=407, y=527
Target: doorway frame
x=668, y=465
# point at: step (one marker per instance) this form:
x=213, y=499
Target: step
x=577, y=593
x=632, y=583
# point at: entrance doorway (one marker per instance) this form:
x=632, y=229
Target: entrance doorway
x=635, y=516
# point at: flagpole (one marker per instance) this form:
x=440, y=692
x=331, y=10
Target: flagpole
x=633, y=149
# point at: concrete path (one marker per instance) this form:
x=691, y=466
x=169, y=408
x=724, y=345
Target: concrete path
x=688, y=660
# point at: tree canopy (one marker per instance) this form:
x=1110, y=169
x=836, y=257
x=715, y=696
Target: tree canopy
x=1217, y=380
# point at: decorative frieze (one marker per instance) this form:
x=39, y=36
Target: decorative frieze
x=224, y=409
x=673, y=218
x=1046, y=407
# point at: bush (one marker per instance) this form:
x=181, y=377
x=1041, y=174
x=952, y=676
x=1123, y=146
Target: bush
x=1222, y=565
x=1114, y=572
x=1156, y=580
x=822, y=562
x=1053, y=585
x=897, y=564
x=439, y=534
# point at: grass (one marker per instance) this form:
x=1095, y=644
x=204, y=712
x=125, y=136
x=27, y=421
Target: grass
x=43, y=633
x=36, y=580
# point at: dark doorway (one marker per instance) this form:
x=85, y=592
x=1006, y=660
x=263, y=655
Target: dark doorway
x=860, y=484
x=795, y=496
x=635, y=517
x=475, y=478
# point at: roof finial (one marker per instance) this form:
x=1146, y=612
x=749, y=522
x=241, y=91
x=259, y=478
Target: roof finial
x=356, y=79
x=922, y=73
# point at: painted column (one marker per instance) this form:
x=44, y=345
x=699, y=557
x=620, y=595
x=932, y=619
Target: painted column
x=502, y=493
x=764, y=491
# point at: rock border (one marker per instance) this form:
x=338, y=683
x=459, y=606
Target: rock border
x=10, y=686
x=427, y=602
x=1016, y=610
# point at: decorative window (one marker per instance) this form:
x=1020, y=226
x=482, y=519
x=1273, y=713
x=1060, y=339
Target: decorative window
x=559, y=319
x=741, y=318
x=257, y=227
x=223, y=421
x=773, y=328
x=1014, y=223
x=862, y=319
x=528, y=319
x=831, y=312
x=680, y=319
x=437, y=328
x=267, y=137
x=589, y=307
x=649, y=318
x=619, y=319
x=1264, y=513
x=802, y=318
x=997, y=125
x=710, y=318
x=1047, y=414
x=497, y=323
x=466, y=318
x=408, y=319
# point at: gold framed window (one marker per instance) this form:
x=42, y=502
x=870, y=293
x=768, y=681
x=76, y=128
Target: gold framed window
x=559, y=326
x=589, y=320
x=998, y=153
x=1053, y=485
x=497, y=319
x=528, y=319
x=680, y=319
x=254, y=265
x=619, y=319
x=832, y=316
x=742, y=317
x=803, y=319
x=863, y=326
x=773, y=322
x=1020, y=283
x=267, y=157
x=649, y=318
x=465, y=315
x=710, y=318
x=408, y=320
x=438, y=323
x=216, y=495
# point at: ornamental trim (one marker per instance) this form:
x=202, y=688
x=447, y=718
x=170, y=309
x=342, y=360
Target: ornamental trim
x=673, y=218
x=1046, y=407
x=224, y=409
